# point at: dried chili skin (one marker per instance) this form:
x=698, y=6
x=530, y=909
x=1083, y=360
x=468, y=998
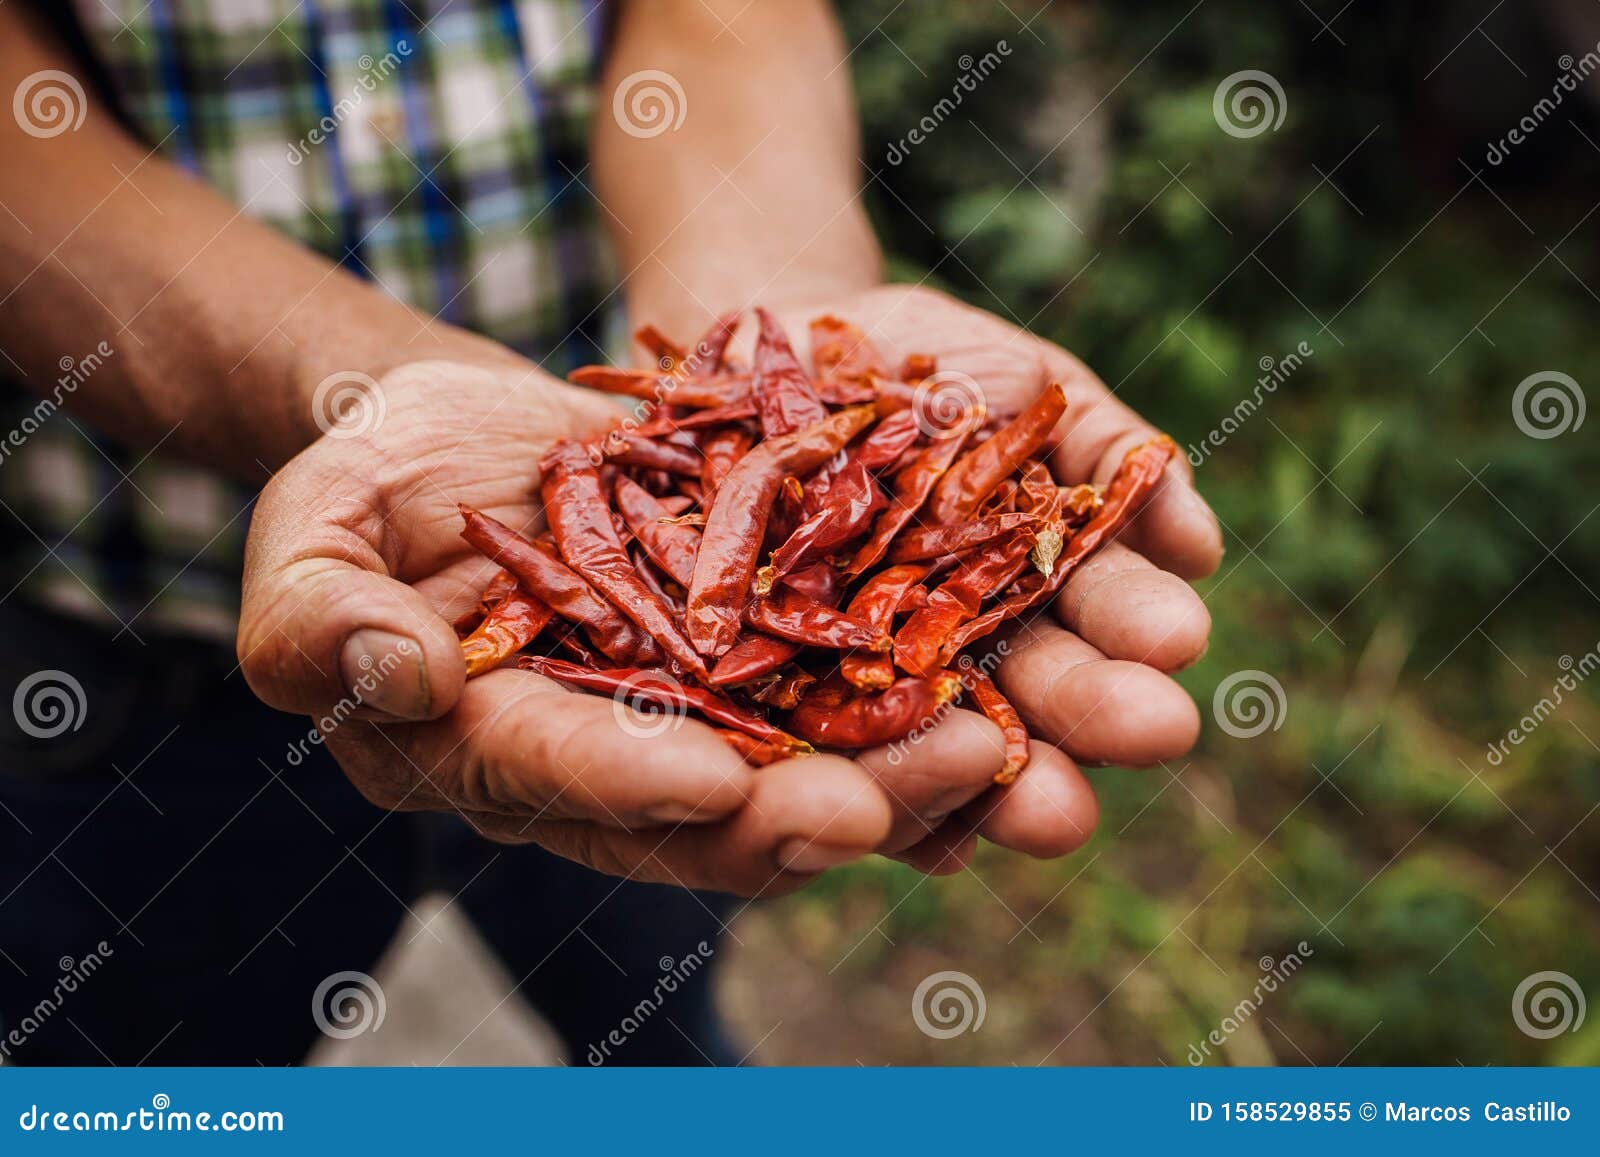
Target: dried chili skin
x=730, y=546
x=543, y=573
x=831, y=716
x=512, y=623
x=580, y=518
x=971, y=479
x=659, y=687
x=997, y=708
x=876, y=603
x=1137, y=476
x=671, y=546
x=786, y=400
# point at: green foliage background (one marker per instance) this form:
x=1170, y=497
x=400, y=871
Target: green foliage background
x=1406, y=562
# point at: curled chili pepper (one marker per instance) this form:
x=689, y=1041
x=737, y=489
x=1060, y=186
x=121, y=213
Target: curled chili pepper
x=502, y=584
x=852, y=501
x=788, y=614
x=997, y=708
x=833, y=716
x=876, y=604
x=911, y=489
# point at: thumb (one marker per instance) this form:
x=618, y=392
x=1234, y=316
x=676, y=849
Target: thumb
x=323, y=628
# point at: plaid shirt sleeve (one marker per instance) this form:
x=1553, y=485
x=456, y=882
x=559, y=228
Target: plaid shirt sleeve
x=435, y=147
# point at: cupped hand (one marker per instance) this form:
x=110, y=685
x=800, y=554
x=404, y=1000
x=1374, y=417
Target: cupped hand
x=1090, y=676
x=355, y=569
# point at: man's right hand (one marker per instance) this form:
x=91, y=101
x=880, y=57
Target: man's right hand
x=354, y=563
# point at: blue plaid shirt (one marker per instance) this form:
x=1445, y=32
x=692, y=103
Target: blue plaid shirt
x=436, y=147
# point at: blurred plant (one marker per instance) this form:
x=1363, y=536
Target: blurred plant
x=1401, y=556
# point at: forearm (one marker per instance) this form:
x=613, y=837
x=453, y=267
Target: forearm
x=220, y=327
x=755, y=196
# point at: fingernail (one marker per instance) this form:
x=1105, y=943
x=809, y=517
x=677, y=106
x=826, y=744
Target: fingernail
x=946, y=802
x=386, y=672
x=801, y=855
x=670, y=812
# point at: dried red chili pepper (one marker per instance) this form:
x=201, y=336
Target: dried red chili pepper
x=877, y=603
x=702, y=392
x=934, y=541
x=788, y=614
x=911, y=489
x=999, y=711
x=668, y=353
x=919, y=644
x=756, y=752
x=738, y=520
x=785, y=690
x=752, y=658
x=502, y=584
x=633, y=449
x=511, y=624
x=540, y=570
x=967, y=483
x=828, y=717
x=722, y=450
x=656, y=686
x=852, y=501
x=785, y=398
x=672, y=546
x=1137, y=476
x=842, y=350
x=580, y=519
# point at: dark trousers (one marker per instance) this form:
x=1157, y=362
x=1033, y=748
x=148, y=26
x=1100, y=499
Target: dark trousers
x=162, y=814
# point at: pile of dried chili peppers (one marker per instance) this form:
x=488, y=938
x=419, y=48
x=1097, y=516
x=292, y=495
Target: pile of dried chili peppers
x=800, y=558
